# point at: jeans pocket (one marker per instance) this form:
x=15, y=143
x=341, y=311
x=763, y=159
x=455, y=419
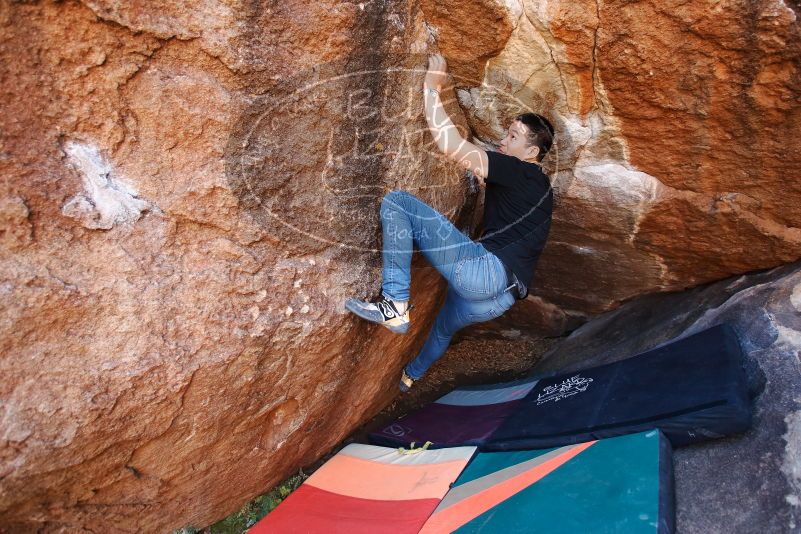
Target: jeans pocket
x=479, y=312
x=483, y=316
x=473, y=276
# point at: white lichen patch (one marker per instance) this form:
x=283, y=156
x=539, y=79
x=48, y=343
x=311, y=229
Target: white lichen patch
x=781, y=8
x=791, y=466
x=580, y=131
x=795, y=297
x=106, y=201
x=612, y=182
x=788, y=336
x=514, y=8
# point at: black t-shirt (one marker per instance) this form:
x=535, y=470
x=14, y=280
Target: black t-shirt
x=517, y=213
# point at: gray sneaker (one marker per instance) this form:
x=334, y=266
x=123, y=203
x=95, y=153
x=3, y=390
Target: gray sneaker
x=382, y=311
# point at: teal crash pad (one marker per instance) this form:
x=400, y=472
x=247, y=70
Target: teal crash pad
x=621, y=484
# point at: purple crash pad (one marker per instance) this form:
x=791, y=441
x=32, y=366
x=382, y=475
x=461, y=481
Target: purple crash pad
x=465, y=416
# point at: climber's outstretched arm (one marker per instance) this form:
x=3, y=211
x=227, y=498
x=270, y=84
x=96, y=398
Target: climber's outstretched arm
x=449, y=141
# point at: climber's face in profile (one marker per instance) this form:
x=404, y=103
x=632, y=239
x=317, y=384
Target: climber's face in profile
x=516, y=143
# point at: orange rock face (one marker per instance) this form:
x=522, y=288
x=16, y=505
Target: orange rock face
x=189, y=196
x=676, y=161
x=190, y=193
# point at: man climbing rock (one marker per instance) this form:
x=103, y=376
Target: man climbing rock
x=485, y=276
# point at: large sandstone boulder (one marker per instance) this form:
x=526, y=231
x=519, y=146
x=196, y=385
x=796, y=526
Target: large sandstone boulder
x=677, y=159
x=188, y=196
x=189, y=192
x=749, y=483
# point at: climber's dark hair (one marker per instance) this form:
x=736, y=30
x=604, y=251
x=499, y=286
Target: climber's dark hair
x=540, y=132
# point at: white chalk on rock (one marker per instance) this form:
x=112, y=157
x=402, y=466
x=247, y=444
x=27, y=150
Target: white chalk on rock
x=106, y=201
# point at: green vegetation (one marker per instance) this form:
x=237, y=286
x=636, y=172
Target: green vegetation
x=239, y=522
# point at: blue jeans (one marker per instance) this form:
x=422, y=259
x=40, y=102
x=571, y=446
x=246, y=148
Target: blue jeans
x=477, y=286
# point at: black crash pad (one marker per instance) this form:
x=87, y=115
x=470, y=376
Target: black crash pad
x=693, y=389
